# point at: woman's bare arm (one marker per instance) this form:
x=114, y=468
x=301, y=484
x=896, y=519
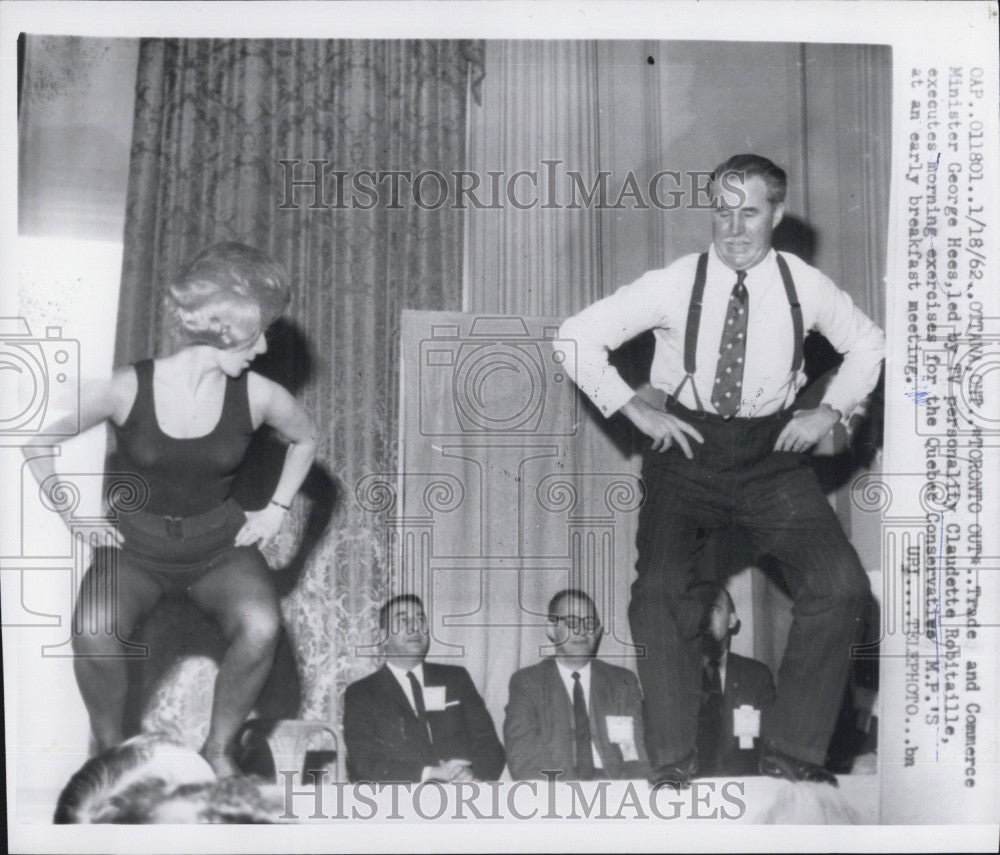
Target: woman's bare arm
x=273, y=405
x=100, y=400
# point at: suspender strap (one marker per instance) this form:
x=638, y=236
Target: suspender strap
x=694, y=316
x=694, y=321
x=793, y=302
x=691, y=332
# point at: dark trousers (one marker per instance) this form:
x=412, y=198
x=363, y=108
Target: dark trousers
x=736, y=479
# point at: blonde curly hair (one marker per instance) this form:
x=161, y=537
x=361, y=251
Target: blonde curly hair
x=226, y=297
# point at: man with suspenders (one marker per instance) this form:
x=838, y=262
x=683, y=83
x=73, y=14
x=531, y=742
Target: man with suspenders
x=729, y=451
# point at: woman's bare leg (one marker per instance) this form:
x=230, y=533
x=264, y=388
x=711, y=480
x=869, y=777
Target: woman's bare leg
x=113, y=597
x=239, y=593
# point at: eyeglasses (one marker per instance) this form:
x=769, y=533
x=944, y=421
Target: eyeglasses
x=577, y=624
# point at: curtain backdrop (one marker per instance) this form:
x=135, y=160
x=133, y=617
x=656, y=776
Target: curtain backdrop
x=632, y=109
x=635, y=108
x=540, y=103
x=213, y=119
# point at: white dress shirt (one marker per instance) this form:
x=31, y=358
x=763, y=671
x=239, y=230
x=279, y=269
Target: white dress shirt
x=723, y=659
x=567, y=677
x=404, y=681
x=659, y=301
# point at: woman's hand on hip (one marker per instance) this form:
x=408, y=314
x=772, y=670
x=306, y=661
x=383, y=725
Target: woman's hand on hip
x=261, y=526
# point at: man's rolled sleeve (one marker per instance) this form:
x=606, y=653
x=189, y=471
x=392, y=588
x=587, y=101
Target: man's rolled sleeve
x=603, y=327
x=853, y=334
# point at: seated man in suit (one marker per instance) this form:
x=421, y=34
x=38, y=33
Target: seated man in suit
x=573, y=713
x=728, y=736
x=413, y=720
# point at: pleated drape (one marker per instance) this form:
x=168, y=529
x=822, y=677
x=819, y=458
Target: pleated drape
x=539, y=114
x=632, y=109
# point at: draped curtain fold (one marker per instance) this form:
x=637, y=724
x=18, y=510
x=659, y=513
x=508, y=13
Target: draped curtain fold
x=539, y=104
x=213, y=120
x=633, y=109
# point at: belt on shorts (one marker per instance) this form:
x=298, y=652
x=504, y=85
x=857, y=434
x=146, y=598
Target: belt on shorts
x=181, y=528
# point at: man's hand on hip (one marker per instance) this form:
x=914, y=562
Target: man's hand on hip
x=663, y=428
x=806, y=428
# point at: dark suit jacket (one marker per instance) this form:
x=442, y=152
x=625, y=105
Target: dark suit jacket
x=538, y=728
x=385, y=740
x=747, y=682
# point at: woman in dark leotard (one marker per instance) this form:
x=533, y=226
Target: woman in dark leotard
x=182, y=425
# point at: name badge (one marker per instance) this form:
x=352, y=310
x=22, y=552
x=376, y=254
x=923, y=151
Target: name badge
x=621, y=731
x=434, y=698
x=746, y=725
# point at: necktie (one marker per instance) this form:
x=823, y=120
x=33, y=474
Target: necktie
x=710, y=718
x=581, y=732
x=418, y=702
x=728, y=389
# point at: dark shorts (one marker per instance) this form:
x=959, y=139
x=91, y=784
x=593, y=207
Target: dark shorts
x=177, y=551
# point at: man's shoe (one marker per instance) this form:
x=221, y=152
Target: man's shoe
x=777, y=764
x=677, y=775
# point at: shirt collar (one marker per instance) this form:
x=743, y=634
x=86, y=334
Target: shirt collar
x=722, y=659
x=567, y=672
x=400, y=673
x=764, y=265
